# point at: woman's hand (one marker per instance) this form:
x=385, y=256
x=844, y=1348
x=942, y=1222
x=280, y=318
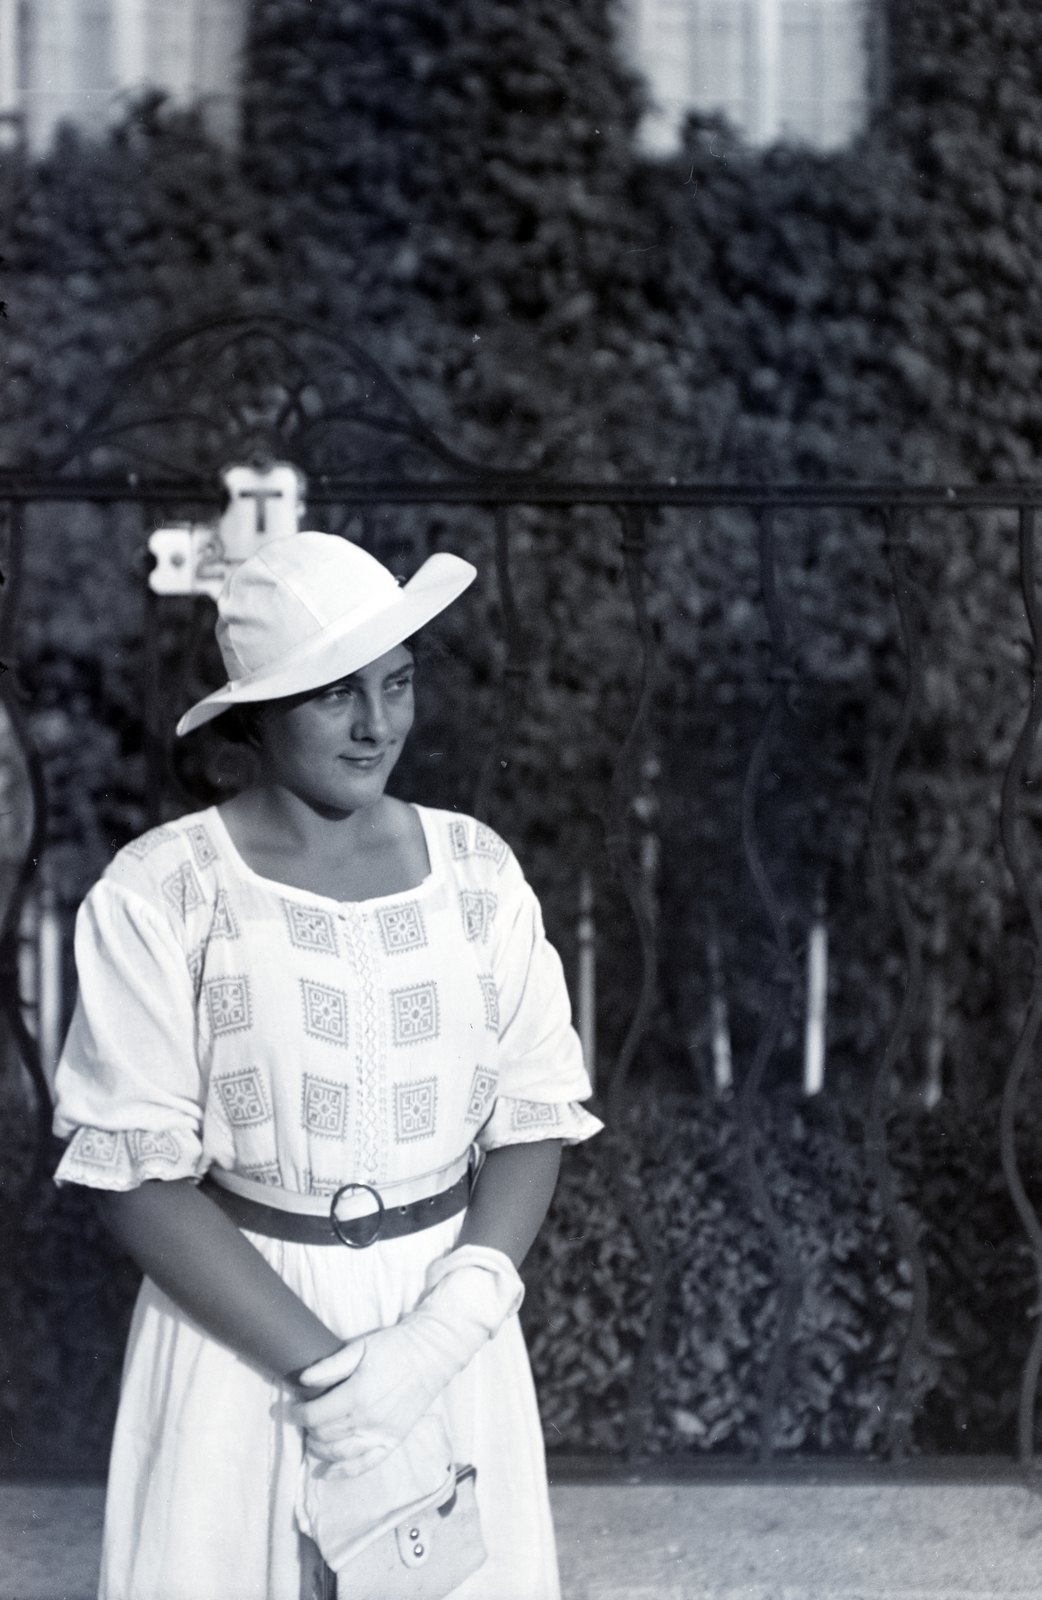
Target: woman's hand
x=385, y=1382
x=382, y=1385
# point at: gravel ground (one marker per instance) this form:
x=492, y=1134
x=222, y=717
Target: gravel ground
x=761, y=1540
x=798, y=1541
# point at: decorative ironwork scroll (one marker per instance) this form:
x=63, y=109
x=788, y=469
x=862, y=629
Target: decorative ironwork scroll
x=255, y=389
x=625, y=779
x=33, y=829
x=785, y=979
x=619, y=844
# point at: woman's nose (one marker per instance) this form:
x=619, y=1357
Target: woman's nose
x=371, y=721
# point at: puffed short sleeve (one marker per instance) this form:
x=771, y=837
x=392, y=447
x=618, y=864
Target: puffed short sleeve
x=541, y=1072
x=128, y=1091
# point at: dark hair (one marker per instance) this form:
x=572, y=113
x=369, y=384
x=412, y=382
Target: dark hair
x=426, y=645
x=239, y=724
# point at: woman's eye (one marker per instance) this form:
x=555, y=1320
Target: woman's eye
x=399, y=685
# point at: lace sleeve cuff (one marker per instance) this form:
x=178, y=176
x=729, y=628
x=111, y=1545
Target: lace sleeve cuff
x=101, y=1159
x=528, y=1121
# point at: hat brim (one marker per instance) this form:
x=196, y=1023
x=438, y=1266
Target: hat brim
x=344, y=646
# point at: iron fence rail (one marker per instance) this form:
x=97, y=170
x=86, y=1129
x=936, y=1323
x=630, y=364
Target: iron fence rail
x=490, y=486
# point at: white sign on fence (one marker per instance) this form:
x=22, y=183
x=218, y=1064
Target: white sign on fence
x=196, y=557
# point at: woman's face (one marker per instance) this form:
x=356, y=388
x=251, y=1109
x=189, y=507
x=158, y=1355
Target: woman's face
x=336, y=747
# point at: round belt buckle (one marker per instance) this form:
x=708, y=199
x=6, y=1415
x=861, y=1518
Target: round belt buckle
x=376, y=1216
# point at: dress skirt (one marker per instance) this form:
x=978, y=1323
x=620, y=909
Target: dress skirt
x=206, y=1461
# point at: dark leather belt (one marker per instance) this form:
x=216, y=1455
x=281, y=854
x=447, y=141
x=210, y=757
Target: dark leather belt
x=386, y=1222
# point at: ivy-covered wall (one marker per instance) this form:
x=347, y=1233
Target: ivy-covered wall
x=459, y=188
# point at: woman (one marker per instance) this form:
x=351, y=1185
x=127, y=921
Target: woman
x=309, y=987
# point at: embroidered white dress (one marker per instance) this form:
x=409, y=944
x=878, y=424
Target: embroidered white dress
x=227, y=1020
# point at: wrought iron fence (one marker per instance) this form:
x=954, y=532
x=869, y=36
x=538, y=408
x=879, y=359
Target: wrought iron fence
x=281, y=388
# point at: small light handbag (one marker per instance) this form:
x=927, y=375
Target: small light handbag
x=425, y=1557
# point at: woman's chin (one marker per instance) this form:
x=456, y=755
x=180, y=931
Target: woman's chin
x=350, y=792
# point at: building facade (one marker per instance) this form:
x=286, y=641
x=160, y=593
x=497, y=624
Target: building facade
x=776, y=68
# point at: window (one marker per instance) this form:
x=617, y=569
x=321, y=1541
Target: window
x=10, y=72
x=777, y=69
x=77, y=60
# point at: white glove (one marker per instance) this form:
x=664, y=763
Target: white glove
x=379, y=1398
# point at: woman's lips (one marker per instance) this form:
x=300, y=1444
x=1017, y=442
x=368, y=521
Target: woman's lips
x=364, y=763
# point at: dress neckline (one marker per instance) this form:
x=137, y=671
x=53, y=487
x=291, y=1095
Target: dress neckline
x=276, y=885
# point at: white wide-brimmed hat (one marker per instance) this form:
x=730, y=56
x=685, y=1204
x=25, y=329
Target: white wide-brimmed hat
x=307, y=610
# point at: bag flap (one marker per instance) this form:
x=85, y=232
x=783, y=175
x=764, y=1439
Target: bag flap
x=344, y=1514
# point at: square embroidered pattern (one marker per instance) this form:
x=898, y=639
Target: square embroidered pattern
x=96, y=1146
x=482, y=1094
x=325, y=1011
x=414, y=1013
x=414, y=1109
x=324, y=1107
x=266, y=1172
x=401, y=927
x=224, y=925
x=490, y=995
x=148, y=1146
x=194, y=959
x=533, y=1114
x=487, y=843
x=228, y=1003
x=140, y=848
x=478, y=907
x=243, y=1098
x=182, y=892
x=202, y=846
x=310, y=928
